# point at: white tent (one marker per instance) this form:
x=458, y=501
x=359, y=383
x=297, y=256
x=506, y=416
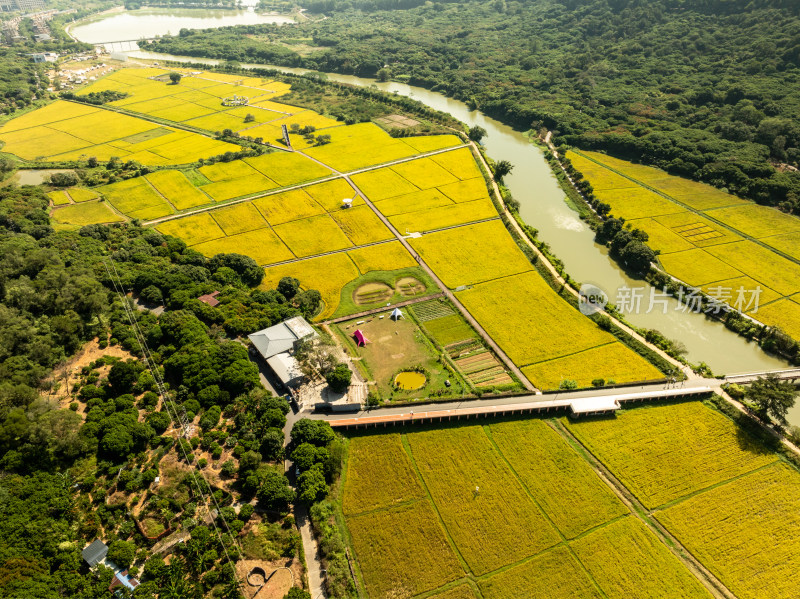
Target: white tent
x=347, y=202
x=397, y=314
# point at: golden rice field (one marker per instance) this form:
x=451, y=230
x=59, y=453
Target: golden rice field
x=330, y=194
x=174, y=186
x=460, y=163
x=744, y=285
x=430, y=143
x=287, y=206
x=227, y=171
x=557, y=477
x=496, y=526
x=262, y=245
x=784, y=313
x=87, y=213
x=347, y=150
x=362, y=225
x=465, y=191
x=698, y=230
x=239, y=218
x=662, y=238
x=554, y=574
x=288, y=169
x=384, y=256
x=424, y=173
x=443, y=216
x=646, y=449
x=788, y=244
x=462, y=591
x=380, y=475
x=403, y=564
x=776, y=272
x=613, y=361
x=194, y=229
x=81, y=194
x=636, y=202
x=498, y=490
x=626, y=559
x=312, y=236
x=472, y=254
x=413, y=202
x=697, y=268
x=756, y=221
x=383, y=183
x=59, y=198
x=68, y=131
x=745, y=532
x=136, y=198
x=236, y=188
x=550, y=326
x=327, y=274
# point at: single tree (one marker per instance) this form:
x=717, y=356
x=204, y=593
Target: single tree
x=339, y=378
x=311, y=485
x=122, y=553
x=288, y=287
x=772, y=397
x=637, y=256
x=477, y=133
x=502, y=168
x=175, y=78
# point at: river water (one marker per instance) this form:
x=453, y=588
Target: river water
x=543, y=205
x=123, y=25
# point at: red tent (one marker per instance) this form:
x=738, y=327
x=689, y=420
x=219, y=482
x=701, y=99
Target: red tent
x=361, y=340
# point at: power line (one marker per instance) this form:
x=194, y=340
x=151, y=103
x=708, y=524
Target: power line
x=178, y=417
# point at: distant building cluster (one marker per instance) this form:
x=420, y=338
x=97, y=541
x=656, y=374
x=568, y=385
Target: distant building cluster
x=21, y=5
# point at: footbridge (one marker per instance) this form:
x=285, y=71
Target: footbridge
x=120, y=45
x=789, y=374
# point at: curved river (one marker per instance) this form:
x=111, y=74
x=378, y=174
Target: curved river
x=543, y=205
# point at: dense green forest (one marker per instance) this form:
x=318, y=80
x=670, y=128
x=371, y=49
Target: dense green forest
x=707, y=90
x=77, y=455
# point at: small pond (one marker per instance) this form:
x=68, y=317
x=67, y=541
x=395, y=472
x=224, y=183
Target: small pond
x=35, y=176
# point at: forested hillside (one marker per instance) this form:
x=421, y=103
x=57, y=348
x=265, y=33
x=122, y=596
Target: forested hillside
x=79, y=453
x=704, y=89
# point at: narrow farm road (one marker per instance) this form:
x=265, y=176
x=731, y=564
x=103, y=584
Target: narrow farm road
x=314, y=570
